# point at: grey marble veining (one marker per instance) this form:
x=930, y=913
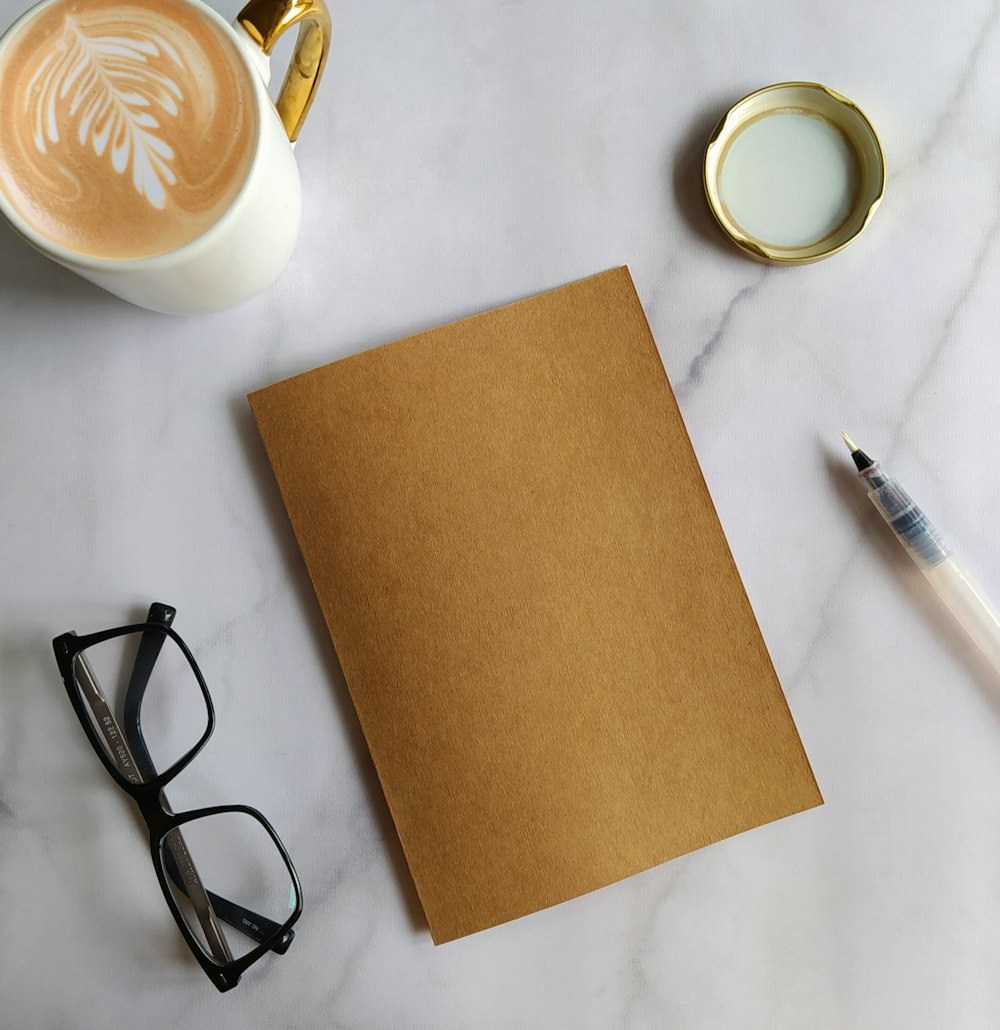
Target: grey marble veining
x=462, y=155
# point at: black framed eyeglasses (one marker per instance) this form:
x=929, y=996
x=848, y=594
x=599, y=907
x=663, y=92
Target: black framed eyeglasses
x=145, y=708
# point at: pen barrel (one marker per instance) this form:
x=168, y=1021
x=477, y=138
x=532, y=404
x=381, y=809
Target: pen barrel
x=969, y=604
x=915, y=531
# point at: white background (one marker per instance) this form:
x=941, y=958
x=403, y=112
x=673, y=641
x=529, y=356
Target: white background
x=460, y=155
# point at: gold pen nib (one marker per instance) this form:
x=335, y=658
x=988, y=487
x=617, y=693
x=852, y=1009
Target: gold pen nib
x=852, y=446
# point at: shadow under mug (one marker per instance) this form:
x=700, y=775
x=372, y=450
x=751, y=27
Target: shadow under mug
x=246, y=248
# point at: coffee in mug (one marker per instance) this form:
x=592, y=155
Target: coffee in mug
x=138, y=143
x=126, y=129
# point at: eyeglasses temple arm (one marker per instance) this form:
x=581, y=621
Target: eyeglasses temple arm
x=124, y=759
x=105, y=720
x=142, y=668
x=246, y=921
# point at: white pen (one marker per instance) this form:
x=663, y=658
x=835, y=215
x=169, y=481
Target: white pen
x=959, y=591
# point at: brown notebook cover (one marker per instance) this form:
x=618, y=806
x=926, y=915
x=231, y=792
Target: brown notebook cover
x=551, y=653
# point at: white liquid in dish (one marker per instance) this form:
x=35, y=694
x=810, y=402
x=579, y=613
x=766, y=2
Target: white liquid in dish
x=788, y=179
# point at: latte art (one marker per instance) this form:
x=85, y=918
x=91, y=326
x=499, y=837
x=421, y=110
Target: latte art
x=108, y=89
x=127, y=129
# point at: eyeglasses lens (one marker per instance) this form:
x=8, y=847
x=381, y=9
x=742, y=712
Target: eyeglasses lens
x=229, y=881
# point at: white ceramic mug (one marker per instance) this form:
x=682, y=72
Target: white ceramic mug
x=248, y=243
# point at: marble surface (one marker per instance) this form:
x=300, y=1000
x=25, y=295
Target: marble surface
x=464, y=154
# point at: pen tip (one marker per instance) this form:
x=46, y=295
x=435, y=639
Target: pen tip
x=861, y=460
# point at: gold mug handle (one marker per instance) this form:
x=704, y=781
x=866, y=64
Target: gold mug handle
x=265, y=21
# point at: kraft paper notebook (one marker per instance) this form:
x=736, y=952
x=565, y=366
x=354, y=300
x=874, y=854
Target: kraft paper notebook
x=551, y=654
